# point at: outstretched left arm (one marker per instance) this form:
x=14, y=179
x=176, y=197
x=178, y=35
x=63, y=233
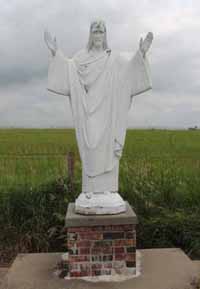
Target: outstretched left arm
x=137, y=71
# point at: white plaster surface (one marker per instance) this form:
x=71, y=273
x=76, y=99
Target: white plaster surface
x=100, y=203
x=100, y=84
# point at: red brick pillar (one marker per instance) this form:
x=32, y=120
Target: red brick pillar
x=101, y=245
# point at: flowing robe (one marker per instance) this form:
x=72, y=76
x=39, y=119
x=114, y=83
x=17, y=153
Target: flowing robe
x=100, y=88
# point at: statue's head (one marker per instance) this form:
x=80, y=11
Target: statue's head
x=97, y=37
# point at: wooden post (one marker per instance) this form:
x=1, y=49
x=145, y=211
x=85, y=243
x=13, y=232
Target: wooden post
x=70, y=166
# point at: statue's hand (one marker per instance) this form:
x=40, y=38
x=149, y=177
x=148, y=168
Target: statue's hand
x=146, y=43
x=50, y=42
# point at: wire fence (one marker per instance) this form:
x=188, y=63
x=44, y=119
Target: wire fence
x=34, y=169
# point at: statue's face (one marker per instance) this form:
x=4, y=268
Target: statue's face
x=98, y=32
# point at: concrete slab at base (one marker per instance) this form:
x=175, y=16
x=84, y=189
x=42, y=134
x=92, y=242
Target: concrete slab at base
x=161, y=269
x=3, y=272
x=198, y=264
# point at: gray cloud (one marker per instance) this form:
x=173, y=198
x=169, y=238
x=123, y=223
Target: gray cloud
x=174, y=58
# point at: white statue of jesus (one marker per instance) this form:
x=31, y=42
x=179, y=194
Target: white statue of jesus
x=100, y=84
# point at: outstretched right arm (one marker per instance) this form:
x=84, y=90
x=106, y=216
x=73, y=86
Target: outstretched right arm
x=58, y=75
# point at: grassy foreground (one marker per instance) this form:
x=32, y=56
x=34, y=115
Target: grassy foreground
x=159, y=176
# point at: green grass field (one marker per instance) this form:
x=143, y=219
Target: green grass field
x=156, y=143
x=33, y=157
x=36, y=156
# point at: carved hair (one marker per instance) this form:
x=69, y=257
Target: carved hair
x=99, y=24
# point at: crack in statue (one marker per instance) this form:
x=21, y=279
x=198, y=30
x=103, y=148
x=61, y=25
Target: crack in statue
x=100, y=84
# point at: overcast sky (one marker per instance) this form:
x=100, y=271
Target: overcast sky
x=174, y=57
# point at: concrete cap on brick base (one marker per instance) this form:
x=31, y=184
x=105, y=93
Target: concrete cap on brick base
x=73, y=219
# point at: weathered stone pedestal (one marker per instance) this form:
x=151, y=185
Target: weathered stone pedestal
x=101, y=245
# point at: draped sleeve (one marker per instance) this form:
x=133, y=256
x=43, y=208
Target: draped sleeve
x=58, y=75
x=134, y=78
x=138, y=75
